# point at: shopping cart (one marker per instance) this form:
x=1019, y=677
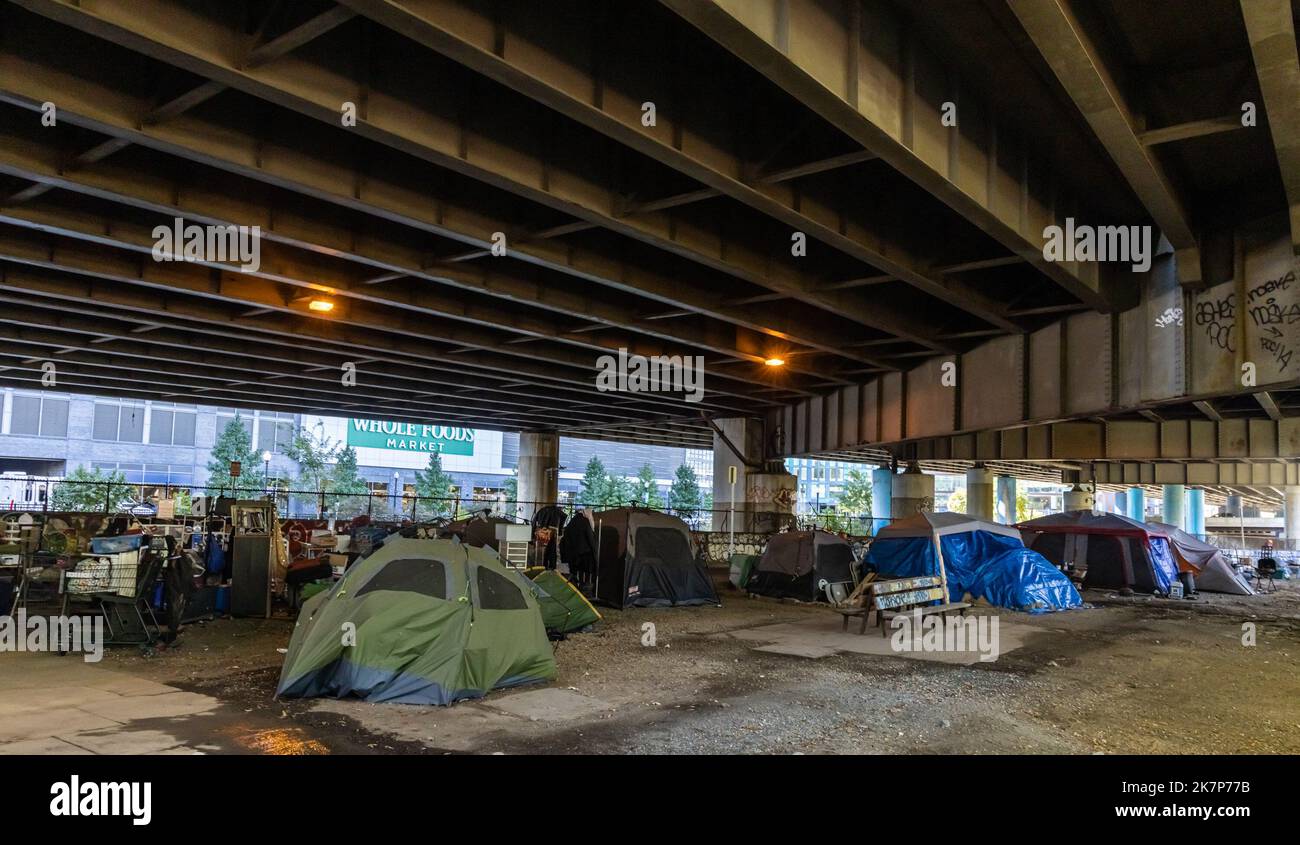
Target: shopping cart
x=121, y=585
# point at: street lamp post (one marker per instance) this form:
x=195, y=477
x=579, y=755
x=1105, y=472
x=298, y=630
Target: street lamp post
x=266, y=471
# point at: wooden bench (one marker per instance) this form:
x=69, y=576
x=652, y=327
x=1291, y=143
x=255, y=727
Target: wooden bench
x=890, y=597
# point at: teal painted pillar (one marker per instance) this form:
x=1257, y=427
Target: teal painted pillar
x=1136, y=505
x=1196, y=512
x=1006, y=504
x=882, y=494
x=1174, y=514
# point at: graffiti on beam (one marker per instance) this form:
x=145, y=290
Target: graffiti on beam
x=1268, y=315
x=1217, y=317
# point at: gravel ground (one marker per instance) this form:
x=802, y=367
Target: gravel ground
x=1130, y=675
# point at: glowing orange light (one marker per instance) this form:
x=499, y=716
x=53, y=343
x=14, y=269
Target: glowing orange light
x=775, y=362
x=321, y=305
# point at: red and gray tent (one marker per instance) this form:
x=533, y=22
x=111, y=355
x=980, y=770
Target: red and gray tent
x=1112, y=550
x=1208, y=566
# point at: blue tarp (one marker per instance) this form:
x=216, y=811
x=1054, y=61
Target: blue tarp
x=1166, y=569
x=988, y=566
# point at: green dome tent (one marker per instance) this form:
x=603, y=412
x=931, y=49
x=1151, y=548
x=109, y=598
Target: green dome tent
x=418, y=622
x=564, y=609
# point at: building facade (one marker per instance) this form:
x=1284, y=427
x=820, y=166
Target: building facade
x=156, y=445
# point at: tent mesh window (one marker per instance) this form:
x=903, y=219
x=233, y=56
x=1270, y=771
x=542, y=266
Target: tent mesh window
x=667, y=545
x=498, y=593
x=835, y=562
x=412, y=575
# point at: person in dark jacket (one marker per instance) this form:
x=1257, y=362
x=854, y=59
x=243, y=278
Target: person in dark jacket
x=578, y=549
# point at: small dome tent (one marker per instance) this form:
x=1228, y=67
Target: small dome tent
x=434, y=621
x=795, y=562
x=982, y=559
x=647, y=559
x=1209, y=568
x=1114, y=551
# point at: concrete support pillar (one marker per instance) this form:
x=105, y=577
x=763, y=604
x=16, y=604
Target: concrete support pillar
x=979, y=493
x=539, y=475
x=1175, y=495
x=913, y=492
x=747, y=437
x=882, y=494
x=1079, y=498
x=1006, y=506
x=1137, y=504
x=1291, y=514
x=1196, y=512
x=762, y=501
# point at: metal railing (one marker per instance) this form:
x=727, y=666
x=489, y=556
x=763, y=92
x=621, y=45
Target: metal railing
x=143, y=500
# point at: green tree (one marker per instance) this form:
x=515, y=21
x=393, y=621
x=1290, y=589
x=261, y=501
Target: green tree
x=856, y=498
x=645, y=490
x=347, y=489
x=235, y=443
x=90, y=490
x=957, y=501
x=684, y=496
x=434, y=487
x=512, y=495
x=594, y=489
x=314, y=452
x=620, y=491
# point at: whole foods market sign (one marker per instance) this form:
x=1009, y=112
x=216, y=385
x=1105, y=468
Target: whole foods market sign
x=411, y=437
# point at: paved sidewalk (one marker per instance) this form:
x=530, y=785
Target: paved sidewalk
x=63, y=705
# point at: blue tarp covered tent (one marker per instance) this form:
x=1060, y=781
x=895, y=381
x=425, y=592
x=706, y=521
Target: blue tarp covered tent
x=982, y=559
x=1112, y=551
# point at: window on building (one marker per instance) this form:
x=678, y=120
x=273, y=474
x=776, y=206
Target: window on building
x=43, y=416
x=274, y=431
x=119, y=421
x=172, y=425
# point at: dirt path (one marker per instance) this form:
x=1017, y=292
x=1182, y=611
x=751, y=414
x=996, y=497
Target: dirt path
x=1128, y=676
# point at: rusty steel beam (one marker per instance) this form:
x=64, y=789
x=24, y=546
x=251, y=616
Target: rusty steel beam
x=857, y=66
x=29, y=328
x=100, y=291
x=469, y=35
x=1070, y=52
x=1270, y=25
x=173, y=35
x=255, y=158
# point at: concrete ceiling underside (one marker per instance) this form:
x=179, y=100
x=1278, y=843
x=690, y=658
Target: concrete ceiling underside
x=477, y=120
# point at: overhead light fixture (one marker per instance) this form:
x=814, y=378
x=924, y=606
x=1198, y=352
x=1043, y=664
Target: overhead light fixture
x=775, y=362
x=321, y=305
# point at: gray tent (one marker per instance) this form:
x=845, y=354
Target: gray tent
x=1207, y=564
x=796, y=562
x=648, y=559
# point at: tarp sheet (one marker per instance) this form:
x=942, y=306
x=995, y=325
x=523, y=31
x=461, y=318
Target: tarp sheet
x=1166, y=569
x=993, y=567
